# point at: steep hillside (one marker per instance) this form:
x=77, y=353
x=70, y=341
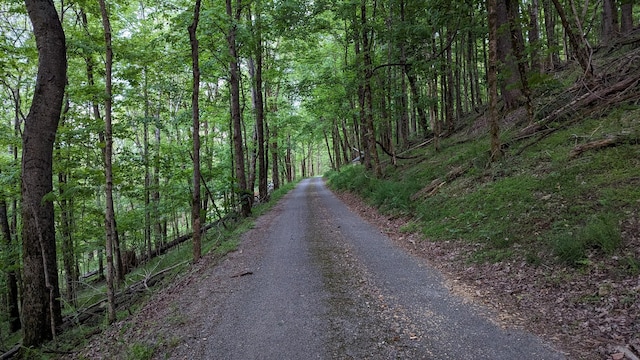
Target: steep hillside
x=550, y=235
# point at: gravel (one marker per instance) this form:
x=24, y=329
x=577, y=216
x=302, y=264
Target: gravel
x=312, y=280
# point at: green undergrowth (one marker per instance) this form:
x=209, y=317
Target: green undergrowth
x=541, y=205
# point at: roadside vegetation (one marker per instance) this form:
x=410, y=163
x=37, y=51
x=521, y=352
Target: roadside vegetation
x=569, y=218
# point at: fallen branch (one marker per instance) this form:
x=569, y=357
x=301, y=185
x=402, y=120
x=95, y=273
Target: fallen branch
x=599, y=144
x=11, y=353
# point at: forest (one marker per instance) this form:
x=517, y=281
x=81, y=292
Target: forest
x=128, y=127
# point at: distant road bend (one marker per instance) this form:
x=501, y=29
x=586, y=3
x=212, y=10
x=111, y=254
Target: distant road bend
x=322, y=284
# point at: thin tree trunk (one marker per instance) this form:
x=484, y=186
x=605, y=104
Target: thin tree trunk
x=534, y=37
x=260, y=116
x=550, y=26
x=108, y=152
x=147, y=167
x=236, y=119
x=493, y=79
x=12, y=282
x=196, y=202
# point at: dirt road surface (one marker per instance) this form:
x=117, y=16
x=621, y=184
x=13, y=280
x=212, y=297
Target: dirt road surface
x=312, y=280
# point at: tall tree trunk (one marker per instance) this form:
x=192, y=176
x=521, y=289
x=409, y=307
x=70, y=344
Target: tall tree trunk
x=518, y=53
x=196, y=202
x=449, y=85
x=8, y=229
x=160, y=234
x=236, y=118
x=534, y=37
x=108, y=153
x=147, y=165
x=492, y=76
x=260, y=125
x=68, y=249
x=41, y=305
x=369, y=127
x=511, y=92
x=273, y=137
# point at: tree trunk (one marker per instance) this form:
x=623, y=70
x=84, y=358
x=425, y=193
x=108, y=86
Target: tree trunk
x=626, y=17
x=550, y=26
x=41, y=305
x=68, y=251
x=534, y=37
x=576, y=40
x=236, y=118
x=147, y=166
x=288, y=161
x=108, y=153
x=196, y=203
x=608, y=31
x=260, y=125
x=369, y=127
x=518, y=53
x=492, y=76
x=509, y=87
x=448, y=88
x=12, y=282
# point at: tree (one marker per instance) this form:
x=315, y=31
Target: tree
x=41, y=309
x=626, y=15
x=108, y=154
x=492, y=76
x=196, y=203
x=581, y=48
x=234, y=14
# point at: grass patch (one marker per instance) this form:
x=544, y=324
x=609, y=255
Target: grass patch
x=553, y=207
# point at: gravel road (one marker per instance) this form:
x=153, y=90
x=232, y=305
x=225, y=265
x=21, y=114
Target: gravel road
x=312, y=280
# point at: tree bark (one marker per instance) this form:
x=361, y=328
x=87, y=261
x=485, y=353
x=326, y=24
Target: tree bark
x=518, y=54
x=626, y=16
x=509, y=86
x=236, y=118
x=195, y=105
x=534, y=37
x=108, y=153
x=260, y=116
x=12, y=282
x=492, y=77
x=550, y=26
x=576, y=40
x=369, y=127
x=608, y=31
x=41, y=305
